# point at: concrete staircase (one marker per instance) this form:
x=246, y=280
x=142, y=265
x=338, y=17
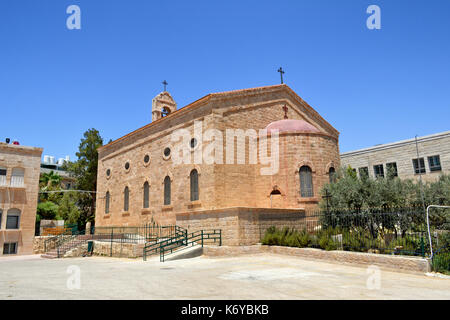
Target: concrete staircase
x=67, y=246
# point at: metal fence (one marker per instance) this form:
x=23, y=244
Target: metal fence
x=139, y=235
x=389, y=231
x=135, y=234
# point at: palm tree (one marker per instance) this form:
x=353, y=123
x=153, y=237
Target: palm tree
x=50, y=179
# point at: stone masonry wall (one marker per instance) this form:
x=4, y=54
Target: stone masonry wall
x=240, y=226
x=220, y=185
x=23, y=198
x=402, y=153
x=391, y=262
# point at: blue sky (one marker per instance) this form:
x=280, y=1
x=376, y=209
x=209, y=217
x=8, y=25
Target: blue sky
x=374, y=86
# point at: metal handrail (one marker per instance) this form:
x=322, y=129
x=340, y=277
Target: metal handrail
x=180, y=235
x=68, y=243
x=182, y=239
x=428, y=226
x=59, y=239
x=192, y=239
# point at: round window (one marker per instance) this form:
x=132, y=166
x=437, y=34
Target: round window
x=127, y=165
x=146, y=158
x=108, y=172
x=167, y=152
x=193, y=143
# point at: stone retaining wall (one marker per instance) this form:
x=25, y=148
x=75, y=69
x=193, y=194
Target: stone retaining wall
x=38, y=244
x=240, y=226
x=120, y=250
x=393, y=262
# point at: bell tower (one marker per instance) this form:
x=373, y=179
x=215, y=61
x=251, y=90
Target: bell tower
x=162, y=105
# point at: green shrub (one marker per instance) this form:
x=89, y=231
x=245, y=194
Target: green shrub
x=304, y=239
x=325, y=241
x=441, y=262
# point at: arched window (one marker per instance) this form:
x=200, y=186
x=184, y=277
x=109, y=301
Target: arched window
x=306, y=183
x=107, y=202
x=167, y=190
x=332, y=174
x=275, y=192
x=146, y=194
x=165, y=112
x=126, y=199
x=194, y=185
x=13, y=219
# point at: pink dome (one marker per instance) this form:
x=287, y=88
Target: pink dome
x=291, y=125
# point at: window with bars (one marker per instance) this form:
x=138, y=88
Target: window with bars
x=332, y=175
x=13, y=219
x=391, y=169
x=10, y=248
x=107, y=199
x=126, y=199
x=363, y=172
x=378, y=170
x=306, y=182
x=146, y=195
x=194, y=185
x=167, y=186
x=419, y=165
x=435, y=163
x=3, y=171
x=17, y=177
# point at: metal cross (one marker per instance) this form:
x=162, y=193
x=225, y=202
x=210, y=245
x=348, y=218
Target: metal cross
x=281, y=74
x=327, y=196
x=285, y=109
x=165, y=84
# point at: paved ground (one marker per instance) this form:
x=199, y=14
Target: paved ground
x=249, y=277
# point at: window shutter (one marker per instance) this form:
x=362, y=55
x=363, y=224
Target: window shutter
x=146, y=195
x=167, y=190
x=306, y=184
x=194, y=185
x=126, y=199
x=107, y=202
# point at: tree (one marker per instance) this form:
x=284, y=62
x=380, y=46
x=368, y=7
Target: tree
x=47, y=210
x=84, y=170
x=352, y=193
x=68, y=208
x=50, y=179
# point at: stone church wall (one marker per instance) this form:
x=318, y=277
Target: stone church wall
x=220, y=185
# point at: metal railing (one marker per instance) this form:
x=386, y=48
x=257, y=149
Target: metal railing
x=183, y=240
x=73, y=241
x=178, y=236
x=394, y=231
x=56, y=241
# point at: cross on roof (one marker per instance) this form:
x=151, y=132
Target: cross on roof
x=285, y=109
x=281, y=74
x=165, y=84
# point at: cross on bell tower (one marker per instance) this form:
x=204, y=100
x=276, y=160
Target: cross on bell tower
x=281, y=71
x=165, y=85
x=285, y=109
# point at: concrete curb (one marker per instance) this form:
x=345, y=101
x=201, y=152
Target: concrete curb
x=391, y=262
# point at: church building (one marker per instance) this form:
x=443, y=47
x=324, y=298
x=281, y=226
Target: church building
x=140, y=177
